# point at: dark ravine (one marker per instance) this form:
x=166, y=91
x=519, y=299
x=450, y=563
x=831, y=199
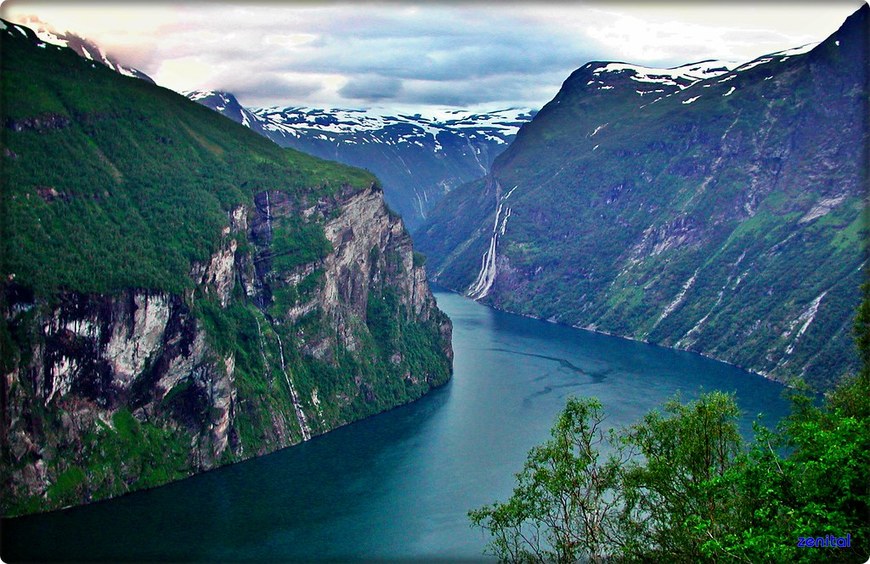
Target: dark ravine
x=311, y=309
x=712, y=207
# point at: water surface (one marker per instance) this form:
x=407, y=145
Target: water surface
x=398, y=484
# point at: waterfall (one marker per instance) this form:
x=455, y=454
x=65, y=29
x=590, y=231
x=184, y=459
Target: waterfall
x=486, y=277
x=294, y=396
x=268, y=213
x=300, y=415
x=262, y=345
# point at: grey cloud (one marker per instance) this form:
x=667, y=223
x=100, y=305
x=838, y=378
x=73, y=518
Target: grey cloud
x=376, y=49
x=448, y=54
x=436, y=43
x=507, y=90
x=443, y=58
x=371, y=88
x=262, y=90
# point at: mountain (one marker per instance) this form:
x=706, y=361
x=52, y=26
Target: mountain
x=226, y=104
x=418, y=158
x=715, y=208
x=82, y=47
x=179, y=293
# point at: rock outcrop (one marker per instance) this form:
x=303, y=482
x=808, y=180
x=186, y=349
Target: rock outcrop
x=152, y=355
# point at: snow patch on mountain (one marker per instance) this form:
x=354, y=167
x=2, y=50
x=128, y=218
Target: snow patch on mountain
x=682, y=77
x=82, y=47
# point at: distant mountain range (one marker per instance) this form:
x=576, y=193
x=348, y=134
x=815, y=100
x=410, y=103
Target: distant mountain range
x=417, y=158
x=714, y=207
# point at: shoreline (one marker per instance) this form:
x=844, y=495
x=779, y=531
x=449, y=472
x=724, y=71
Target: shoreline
x=437, y=287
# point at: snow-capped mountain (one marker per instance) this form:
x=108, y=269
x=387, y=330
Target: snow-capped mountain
x=83, y=47
x=654, y=84
x=369, y=126
x=226, y=104
x=419, y=158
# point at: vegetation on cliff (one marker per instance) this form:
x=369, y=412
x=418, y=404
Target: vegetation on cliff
x=723, y=215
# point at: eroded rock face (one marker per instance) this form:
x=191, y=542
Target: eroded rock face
x=350, y=269
x=167, y=361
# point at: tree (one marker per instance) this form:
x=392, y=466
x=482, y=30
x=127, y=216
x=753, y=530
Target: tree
x=681, y=485
x=675, y=498
x=565, y=504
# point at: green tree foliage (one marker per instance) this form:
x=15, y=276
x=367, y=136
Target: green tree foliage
x=862, y=331
x=562, y=508
x=683, y=486
x=673, y=495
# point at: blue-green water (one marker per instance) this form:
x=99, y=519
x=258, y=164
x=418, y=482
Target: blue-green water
x=398, y=484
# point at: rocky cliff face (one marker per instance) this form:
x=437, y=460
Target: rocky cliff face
x=713, y=207
x=177, y=292
x=130, y=390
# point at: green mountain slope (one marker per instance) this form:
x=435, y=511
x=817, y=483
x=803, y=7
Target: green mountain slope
x=99, y=168
x=178, y=292
x=721, y=213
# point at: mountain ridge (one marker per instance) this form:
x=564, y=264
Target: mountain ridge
x=83, y=47
x=418, y=158
x=681, y=214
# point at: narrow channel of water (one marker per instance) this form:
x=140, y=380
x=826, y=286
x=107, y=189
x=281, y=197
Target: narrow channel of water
x=398, y=484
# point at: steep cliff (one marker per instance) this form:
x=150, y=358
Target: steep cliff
x=178, y=293
x=712, y=207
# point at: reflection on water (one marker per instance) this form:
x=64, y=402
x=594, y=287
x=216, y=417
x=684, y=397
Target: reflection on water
x=401, y=483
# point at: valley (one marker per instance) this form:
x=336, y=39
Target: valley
x=298, y=282
x=418, y=158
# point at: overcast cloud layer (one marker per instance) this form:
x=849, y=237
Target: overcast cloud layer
x=401, y=55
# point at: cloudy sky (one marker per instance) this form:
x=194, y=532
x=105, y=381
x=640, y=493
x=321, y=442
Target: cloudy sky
x=405, y=55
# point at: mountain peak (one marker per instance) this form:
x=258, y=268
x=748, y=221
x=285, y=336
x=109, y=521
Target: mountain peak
x=83, y=47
